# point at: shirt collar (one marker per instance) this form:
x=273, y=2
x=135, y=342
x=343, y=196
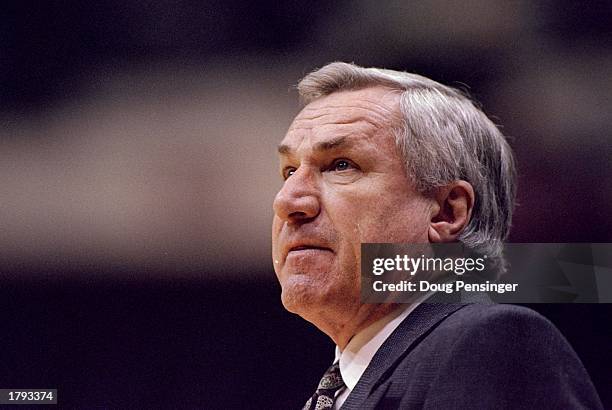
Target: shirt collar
x=360, y=350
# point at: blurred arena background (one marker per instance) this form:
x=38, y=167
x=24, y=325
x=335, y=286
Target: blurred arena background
x=138, y=168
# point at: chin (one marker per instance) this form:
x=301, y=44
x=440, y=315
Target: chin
x=309, y=296
x=300, y=293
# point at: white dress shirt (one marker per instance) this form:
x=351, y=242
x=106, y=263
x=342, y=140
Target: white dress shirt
x=360, y=350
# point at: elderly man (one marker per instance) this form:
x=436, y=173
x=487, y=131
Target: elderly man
x=381, y=156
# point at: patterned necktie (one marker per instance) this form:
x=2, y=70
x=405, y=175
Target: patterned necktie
x=330, y=383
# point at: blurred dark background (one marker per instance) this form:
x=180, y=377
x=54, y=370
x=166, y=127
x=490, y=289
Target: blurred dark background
x=137, y=171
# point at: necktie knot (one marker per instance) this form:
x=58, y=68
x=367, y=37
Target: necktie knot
x=330, y=383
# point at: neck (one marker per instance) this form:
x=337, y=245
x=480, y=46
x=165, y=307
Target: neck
x=341, y=328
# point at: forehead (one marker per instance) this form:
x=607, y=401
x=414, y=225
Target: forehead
x=365, y=113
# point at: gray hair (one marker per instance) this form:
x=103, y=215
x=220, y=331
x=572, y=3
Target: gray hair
x=443, y=137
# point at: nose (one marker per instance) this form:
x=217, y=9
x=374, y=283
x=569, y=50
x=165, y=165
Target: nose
x=298, y=200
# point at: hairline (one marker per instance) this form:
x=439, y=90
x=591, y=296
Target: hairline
x=421, y=100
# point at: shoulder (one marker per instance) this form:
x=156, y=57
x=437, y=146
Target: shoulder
x=509, y=321
x=503, y=354
x=501, y=334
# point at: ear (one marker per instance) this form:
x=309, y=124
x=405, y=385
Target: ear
x=451, y=212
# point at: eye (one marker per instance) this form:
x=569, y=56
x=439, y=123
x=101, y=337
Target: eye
x=287, y=172
x=340, y=165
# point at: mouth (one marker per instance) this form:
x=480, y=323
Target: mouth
x=301, y=248
x=303, y=258
x=306, y=251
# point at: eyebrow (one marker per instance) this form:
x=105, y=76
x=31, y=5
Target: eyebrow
x=319, y=146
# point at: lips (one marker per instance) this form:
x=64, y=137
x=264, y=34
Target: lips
x=307, y=247
x=299, y=249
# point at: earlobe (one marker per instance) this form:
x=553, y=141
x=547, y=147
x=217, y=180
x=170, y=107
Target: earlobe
x=452, y=213
x=434, y=236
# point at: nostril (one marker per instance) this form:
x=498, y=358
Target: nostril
x=299, y=218
x=298, y=215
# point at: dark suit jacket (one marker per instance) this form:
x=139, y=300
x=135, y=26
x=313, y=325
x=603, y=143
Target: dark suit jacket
x=474, y=356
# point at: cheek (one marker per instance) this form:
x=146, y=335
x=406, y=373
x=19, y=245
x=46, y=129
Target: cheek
x=391, y=224
x=355, y=224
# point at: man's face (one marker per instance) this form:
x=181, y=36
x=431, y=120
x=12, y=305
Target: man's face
x=345, y=183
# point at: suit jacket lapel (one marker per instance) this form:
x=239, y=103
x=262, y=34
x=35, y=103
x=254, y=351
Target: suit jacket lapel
x=399, y=343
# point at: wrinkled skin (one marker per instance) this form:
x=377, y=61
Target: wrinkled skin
x=345, y=184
